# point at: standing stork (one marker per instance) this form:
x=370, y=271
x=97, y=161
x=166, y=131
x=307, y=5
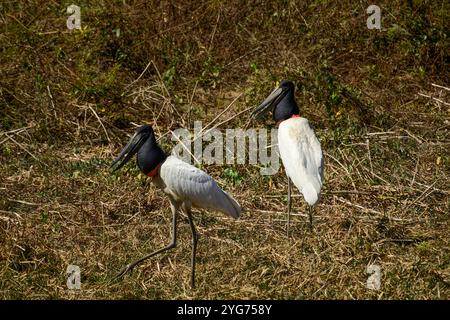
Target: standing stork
x=299, y=147
x=185, y=185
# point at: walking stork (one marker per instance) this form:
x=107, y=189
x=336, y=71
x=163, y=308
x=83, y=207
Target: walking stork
x=184, y=184
x=299, y=147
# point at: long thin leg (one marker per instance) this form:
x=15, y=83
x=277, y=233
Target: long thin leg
x=172, y=244
x=194, y=245
x=289, y=207
x=310, y=212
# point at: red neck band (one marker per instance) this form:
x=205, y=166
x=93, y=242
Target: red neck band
x=154, y=172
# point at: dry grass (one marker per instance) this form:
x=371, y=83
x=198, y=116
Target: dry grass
x=68, y=99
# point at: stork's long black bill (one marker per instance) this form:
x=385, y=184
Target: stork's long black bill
x=271, y=100
x=129, y=150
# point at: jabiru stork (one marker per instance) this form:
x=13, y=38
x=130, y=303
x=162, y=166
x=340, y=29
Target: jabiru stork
x=300, y=150
x=184, y=184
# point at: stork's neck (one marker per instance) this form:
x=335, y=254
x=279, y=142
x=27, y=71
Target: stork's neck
x=293, y=116
x=286, y=108
x=150, y=157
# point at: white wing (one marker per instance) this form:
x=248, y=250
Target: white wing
x=302, y=157
x=190, y=183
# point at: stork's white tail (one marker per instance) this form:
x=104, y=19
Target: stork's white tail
x=302, y=157
x=187, y=182
x=310, y=193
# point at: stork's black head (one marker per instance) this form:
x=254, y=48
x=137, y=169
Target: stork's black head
x=149, y=154
x=282, y=101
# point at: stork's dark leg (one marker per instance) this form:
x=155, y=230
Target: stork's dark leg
x=194, y=245
x=172, y=244
x=310, y=212
x=289, y=207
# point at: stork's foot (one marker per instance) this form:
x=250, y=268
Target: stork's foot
x=128, y=267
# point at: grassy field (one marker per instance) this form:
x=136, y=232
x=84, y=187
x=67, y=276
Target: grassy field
x=69, y=99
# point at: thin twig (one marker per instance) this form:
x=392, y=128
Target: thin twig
x=434, y=189
x=167, y=91
x=24, y=149
x=218, y=116
x=438, y=86
x=19, y=22
x=397, y=240
x=214, y=32
x=11, y=213
x=380, y=133
x=433, y=98
x=162, y=136
x=241, y=57
x=370, y=157
x=201, y=133
x=423, y=195
x=190, y=101
x=24, y=202
x=357, y=206
x=16, y=131
x=184, y=146
x=13, y=95
x=413, y=136
x=101, y=123
x=348, y=192
x=142, y=73
x=343, y=167
x=51, y=100
x=231, y=118
x=415, y=172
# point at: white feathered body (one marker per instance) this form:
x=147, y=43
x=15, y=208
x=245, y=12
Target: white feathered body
x=186, y=183
x=302, y=157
